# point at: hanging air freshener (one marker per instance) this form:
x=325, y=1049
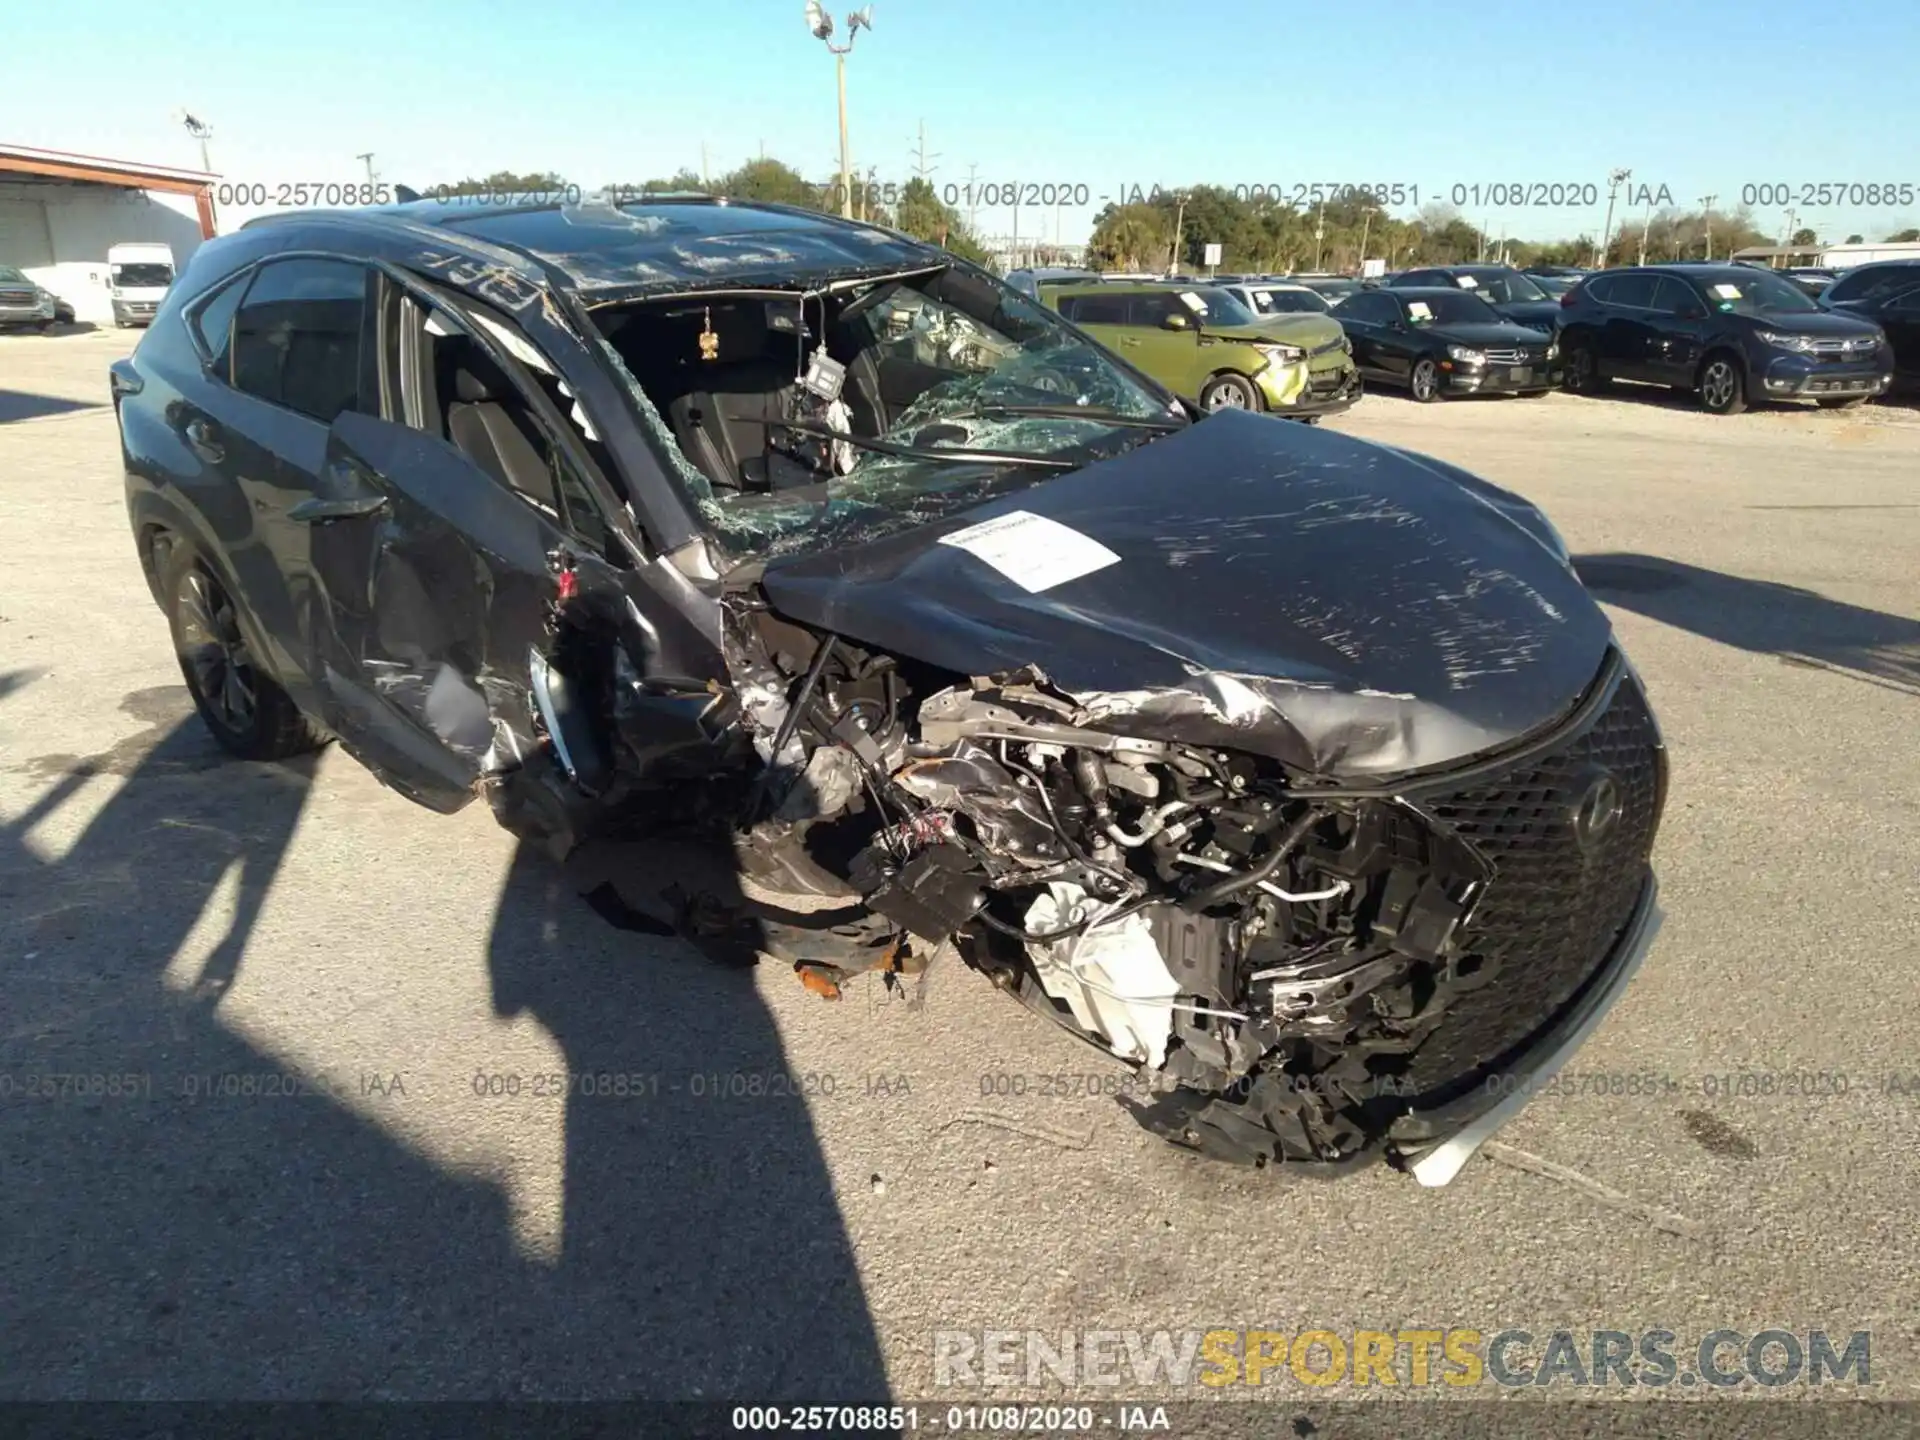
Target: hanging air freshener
x=709, y=342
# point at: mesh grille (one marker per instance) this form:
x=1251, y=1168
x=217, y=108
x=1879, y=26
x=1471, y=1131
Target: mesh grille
x=1554, y=908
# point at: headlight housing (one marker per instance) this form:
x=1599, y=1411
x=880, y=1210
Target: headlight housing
x=1466, y=356
x=1282, y=354
x=1799, y=344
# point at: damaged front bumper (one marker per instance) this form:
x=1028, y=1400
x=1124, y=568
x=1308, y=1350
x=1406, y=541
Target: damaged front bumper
x=1434, y=1145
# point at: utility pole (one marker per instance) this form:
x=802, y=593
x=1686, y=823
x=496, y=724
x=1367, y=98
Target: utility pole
x=820, y=23
x=1787, y=238
x=921, y=169
x=1646, y=225
x=972, y=170
x=1706, y=211
x=366, y=157
x=1615, y=179
x=1366, y=227
x=1179, y=224
x=1319, y=231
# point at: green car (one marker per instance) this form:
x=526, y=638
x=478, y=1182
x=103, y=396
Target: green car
x=1206, y=346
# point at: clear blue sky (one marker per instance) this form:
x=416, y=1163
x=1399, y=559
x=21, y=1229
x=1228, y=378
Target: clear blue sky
x=1701, y=96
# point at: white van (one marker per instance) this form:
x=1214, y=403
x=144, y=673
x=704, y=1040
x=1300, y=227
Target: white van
x=138, y=275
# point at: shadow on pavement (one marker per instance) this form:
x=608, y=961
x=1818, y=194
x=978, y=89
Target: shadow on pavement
x=1799, y=626
x=283, y=1247
x=26, y=405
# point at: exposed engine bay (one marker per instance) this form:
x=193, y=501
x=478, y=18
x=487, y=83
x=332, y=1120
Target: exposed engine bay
x=1277, y=955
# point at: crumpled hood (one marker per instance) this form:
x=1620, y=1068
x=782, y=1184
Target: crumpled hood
x=1347, y=609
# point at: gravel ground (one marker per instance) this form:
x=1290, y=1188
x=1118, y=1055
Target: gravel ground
x=206, y=928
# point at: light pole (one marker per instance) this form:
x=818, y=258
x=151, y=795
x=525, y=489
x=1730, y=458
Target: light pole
x=201, y=131
x=1319, y=233
x=1615, y=179
x=1706, y=212
x=366, y=158
x=1787, y=238
x=821, y=24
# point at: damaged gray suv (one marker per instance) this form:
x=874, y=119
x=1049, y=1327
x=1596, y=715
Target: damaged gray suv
x=1299, y=773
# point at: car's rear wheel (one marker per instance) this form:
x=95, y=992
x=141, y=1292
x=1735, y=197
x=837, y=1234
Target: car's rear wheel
x=1844, y=402
x=1424, y=382
x=248, y=714
x=1229, y=392
x=1722, y=388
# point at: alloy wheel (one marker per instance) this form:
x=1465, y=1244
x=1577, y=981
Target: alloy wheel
x=1717, y=385
x=1424, y=380
x=215, y=651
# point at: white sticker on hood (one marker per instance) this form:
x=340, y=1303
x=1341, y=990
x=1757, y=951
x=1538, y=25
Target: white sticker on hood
x=1467, y=282
x=1032, y=551
x=1727, y=292
x=1193, y=302
x=1419, y=309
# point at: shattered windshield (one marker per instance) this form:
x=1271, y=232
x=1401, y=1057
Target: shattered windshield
x=932, y=393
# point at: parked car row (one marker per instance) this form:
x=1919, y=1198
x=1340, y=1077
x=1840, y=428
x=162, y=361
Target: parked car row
x=1212, y=344
x=1735, y=335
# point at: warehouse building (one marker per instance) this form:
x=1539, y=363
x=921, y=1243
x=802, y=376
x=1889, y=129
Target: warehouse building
x=59, y=213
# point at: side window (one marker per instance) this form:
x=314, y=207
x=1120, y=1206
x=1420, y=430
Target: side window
x=1369, y=309
x=296, y=336
x=213, y=323
x=1907, y=303
x=1095, y=309
x=1673, y=296
x=1631, y=292
x=1151, y=307
x=466, y=397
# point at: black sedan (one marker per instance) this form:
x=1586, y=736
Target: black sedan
x=1438, y=341
x=1515, y=295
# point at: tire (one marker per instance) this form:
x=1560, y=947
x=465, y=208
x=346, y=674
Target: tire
x=1721, y=385
x=246, y=711
x=1228, y=391
x=1583, y=371
x=1847, y=402
x=1423, y=381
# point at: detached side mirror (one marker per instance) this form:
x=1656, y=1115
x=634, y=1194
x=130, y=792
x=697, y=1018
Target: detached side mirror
x=1176, y=322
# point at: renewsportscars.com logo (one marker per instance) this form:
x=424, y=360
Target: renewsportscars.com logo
x=1455, y=1356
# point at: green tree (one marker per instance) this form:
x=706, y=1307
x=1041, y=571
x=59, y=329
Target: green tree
x=1804, y=236
x=509, y=182
x=922, y=214
x=1903, y=237
x=1854, y=239
x=1131, y=237
x=766, y=179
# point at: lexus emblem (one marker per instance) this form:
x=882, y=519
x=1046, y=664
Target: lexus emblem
x=1598, y=810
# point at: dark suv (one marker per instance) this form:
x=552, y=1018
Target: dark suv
x=1886, y=292
x=1731, y=334
x=829, y=551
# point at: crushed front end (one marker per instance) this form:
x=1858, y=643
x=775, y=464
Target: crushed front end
x=1317, y=974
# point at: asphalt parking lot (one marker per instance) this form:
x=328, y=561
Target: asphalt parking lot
x=199, y=928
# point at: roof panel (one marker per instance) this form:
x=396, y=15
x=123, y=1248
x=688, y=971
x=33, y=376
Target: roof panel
x=666, y=246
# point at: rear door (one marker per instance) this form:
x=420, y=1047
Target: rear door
x=1676, y=332
x=1368, y=320
x=1624, y=324
x=284, y=351
x=1103, y=315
